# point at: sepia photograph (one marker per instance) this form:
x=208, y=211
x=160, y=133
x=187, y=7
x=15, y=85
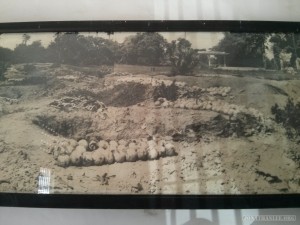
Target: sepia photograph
x=184, y=113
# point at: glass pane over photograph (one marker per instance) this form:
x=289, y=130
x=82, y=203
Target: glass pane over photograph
x=150, y=113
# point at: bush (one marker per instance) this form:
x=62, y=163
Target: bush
x=33, y=80
x=289, y=117
x=28, y=68
x=168, y=92
x=55, y=65
x=182, y=56
x=3, y=67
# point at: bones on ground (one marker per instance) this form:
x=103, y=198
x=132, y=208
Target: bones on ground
x=84, y=153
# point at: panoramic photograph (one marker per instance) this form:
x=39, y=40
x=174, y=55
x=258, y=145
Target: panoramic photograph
x=150, y=113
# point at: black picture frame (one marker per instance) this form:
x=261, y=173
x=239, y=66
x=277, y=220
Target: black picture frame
x=150, y=201
x=151, y=26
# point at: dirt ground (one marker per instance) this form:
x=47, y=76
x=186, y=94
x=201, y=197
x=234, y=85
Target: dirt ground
x=108, y=134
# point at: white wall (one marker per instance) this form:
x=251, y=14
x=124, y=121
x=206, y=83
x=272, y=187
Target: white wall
x=31, y=216
x=37, y=10
x=14, y=216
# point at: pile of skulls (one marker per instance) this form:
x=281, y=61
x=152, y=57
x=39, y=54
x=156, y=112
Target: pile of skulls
x=212, y=105
x=163, y=102
x=216, y=106
x=84, y=153
x=148, y=81
x=119, y=74
x=9, y=101
x=221, y=91
x=73, y=103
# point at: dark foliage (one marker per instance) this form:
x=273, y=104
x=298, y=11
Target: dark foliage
x=243, y=125
x=144, y=49
x=65, y=126
x=285, y=43
x=28, y=68
x=182, y=56
x=289, y=117
x=168, y=92
x=3, y=67
x=32, y=80
x=5, y=59
x=77, y=49
x=124, y=95
x=5, y=54
x=245, y=49
x=121, y=95
x=32, y=53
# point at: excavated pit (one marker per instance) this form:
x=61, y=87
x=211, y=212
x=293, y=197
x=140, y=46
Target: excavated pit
x=63, y=125
x=120, y=95
x=113, y=125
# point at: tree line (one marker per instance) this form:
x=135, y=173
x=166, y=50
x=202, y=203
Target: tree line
x=250, y=49
x=152, y=49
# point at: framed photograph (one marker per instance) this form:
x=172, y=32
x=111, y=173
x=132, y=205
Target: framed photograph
x=150, y=114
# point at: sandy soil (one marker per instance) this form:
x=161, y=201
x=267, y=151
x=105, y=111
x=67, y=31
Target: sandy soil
x=207, y=164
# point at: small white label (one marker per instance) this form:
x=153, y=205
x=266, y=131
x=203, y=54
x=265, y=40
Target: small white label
x=44, y=181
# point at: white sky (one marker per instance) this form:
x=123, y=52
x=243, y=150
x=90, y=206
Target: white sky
x=198, y=39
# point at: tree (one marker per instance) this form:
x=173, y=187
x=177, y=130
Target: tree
x=285, y=43
x=3, y=67
x=182, y=56
x=80, y=50
x=144, y=49
x=245, y=49
x=34, y=52
x=66, y=49
x=5, y=54
x=101, y=51
x=5, y=60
